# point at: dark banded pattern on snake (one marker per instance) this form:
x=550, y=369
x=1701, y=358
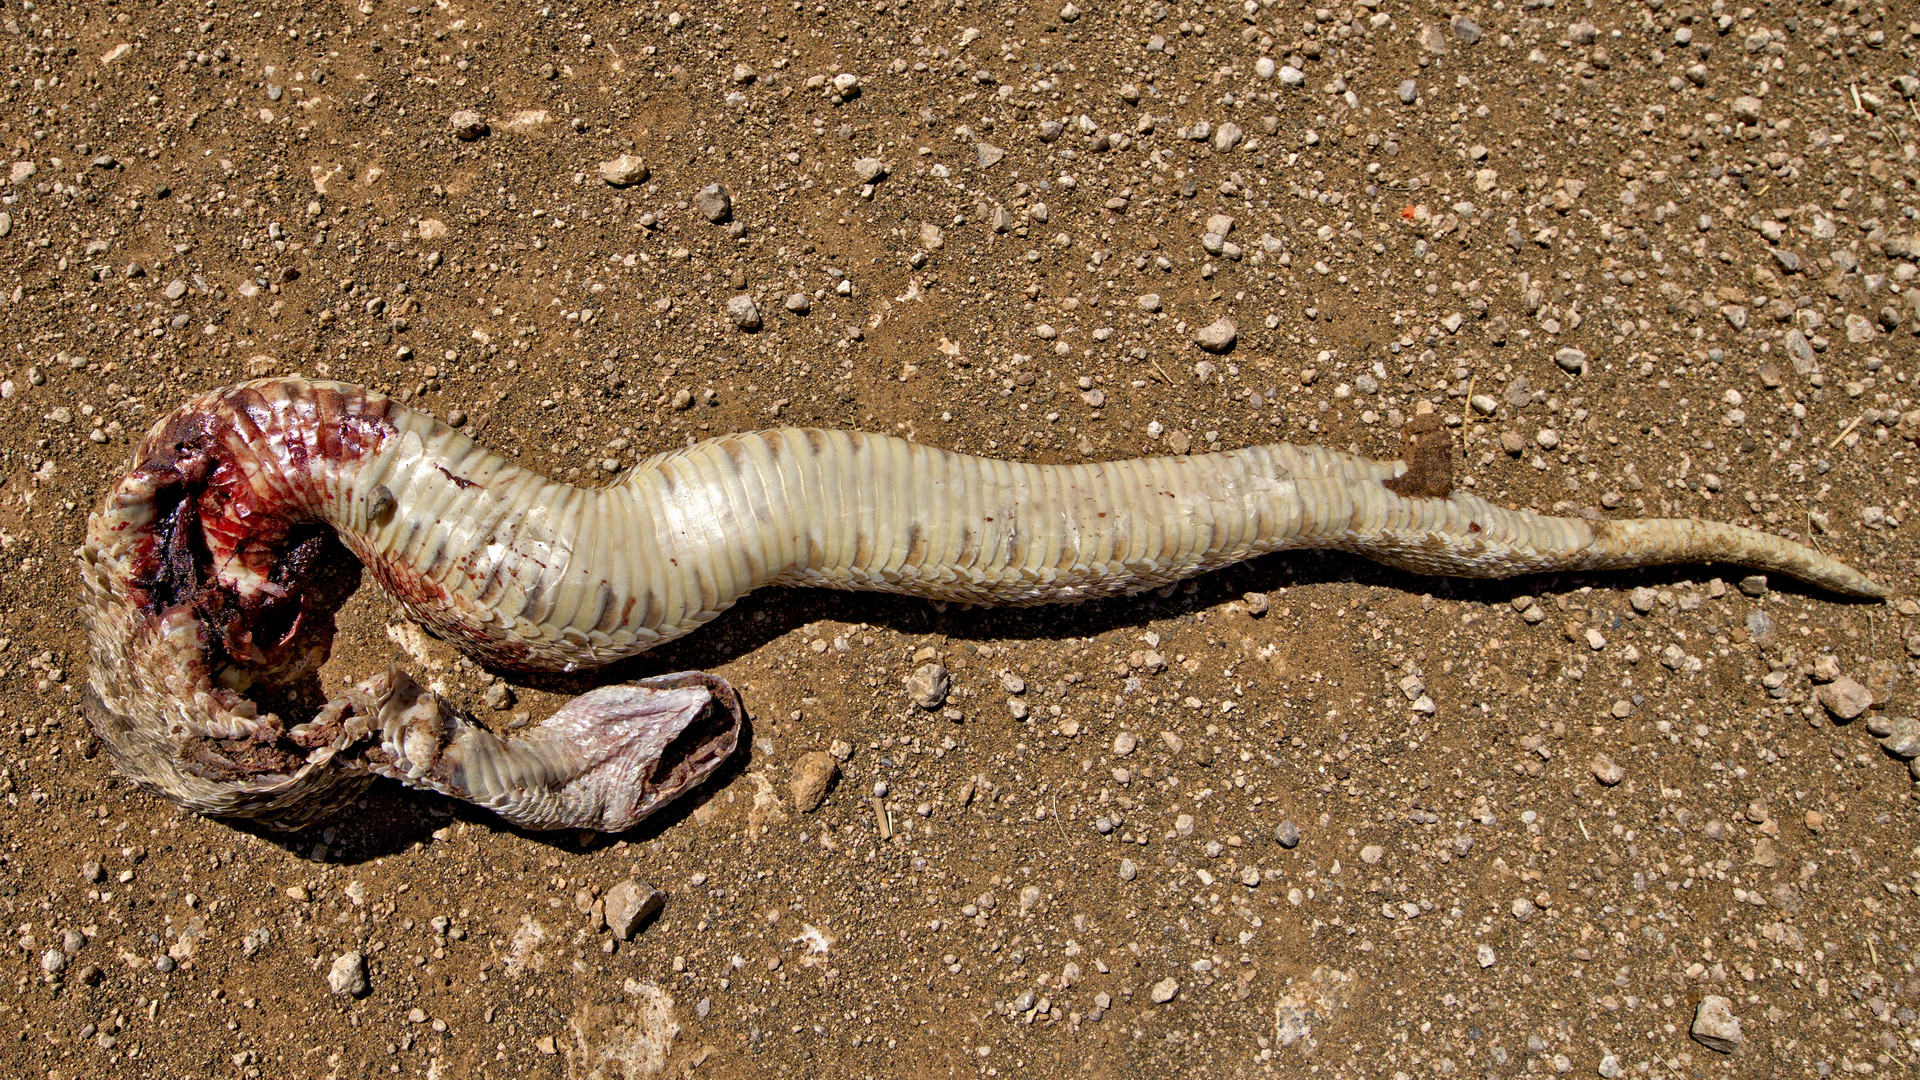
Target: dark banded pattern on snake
x=212, y=569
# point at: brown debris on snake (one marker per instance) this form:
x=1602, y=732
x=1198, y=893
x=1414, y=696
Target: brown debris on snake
x=212, y=571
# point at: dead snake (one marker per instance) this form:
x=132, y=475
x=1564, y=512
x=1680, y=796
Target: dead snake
x=212, y=570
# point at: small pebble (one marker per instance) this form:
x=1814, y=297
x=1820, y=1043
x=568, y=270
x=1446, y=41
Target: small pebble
x=744, y=312
x=1484, y=954
x=1164, y=991
x=869, y=170
x=624, y=171
x=1845, y=698
x=813, y=774
x=1409, y=91
x=715, y=203
x=630, y=903
x=928, y=686
x=1128, y=871
x=1287, y=835
x=1714, y=1025
x=1606, y=770
x=799, y=303
x=468, y=125
x=1372, y=854
x=1217, y=336
x=1754, y=585
x=348, y=975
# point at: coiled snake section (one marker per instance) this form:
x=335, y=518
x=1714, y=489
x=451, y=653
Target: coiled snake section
x=212, y=570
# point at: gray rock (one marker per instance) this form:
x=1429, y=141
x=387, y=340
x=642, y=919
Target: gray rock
x=744, y=312
x=630, y=903
x=1800, y=351
x=799, y=303
x=1292, y=76
x=1049, y=130
x=468, y=125
x=1287, y=835
x=1583, y=33
x=624, y=171
x=1165, y=990
x=1902, y=738
x=1860, y=329
x=1845, y=698
x=499, y=696
x=175, y=289
x=1217, y=336
x=1788, y=260
x=869, y=170
x=6, y=223
x=813, y=774
x=1736, y=316
x=928, y=686
x=1409, y=92
x=1128, y=871
x=1714, y=1025
x=1753, y=585
x=1149, y=302
x=1606, y=771
x=1226, y=137
x=989, y=154
x=1466, y=29
x=1571, y=360
x=348, y=975
x=715, y=202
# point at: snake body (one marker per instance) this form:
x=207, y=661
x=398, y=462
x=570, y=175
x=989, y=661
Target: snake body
x=211, y=572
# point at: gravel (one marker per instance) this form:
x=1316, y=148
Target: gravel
x=928, y=685
x=1164, y=991
x=813, y=774
x=1217, y=336
x=624, y=171
x=629, y=904
x=715, y=203
x=744, y=313
x=348, y=975
x=1715, y=1026
x=468, y=125
x=1844, y=698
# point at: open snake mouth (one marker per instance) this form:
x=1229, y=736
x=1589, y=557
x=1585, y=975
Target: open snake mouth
x=707, y=740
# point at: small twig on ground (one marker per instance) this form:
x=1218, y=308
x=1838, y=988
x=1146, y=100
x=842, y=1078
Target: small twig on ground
x=1848, y=430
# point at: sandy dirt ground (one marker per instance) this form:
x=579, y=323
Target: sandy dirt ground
x=1307, y=816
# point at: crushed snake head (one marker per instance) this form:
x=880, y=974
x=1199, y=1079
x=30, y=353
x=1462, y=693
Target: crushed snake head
x=212, y=570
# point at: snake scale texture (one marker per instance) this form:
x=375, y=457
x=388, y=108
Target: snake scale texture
x=212, y=570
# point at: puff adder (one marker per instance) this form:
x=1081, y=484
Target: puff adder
x=211, y=572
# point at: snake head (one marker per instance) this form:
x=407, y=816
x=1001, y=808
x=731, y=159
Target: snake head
x=604, y=761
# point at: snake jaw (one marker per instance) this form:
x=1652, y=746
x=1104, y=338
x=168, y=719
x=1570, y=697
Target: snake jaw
x=605, y=760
